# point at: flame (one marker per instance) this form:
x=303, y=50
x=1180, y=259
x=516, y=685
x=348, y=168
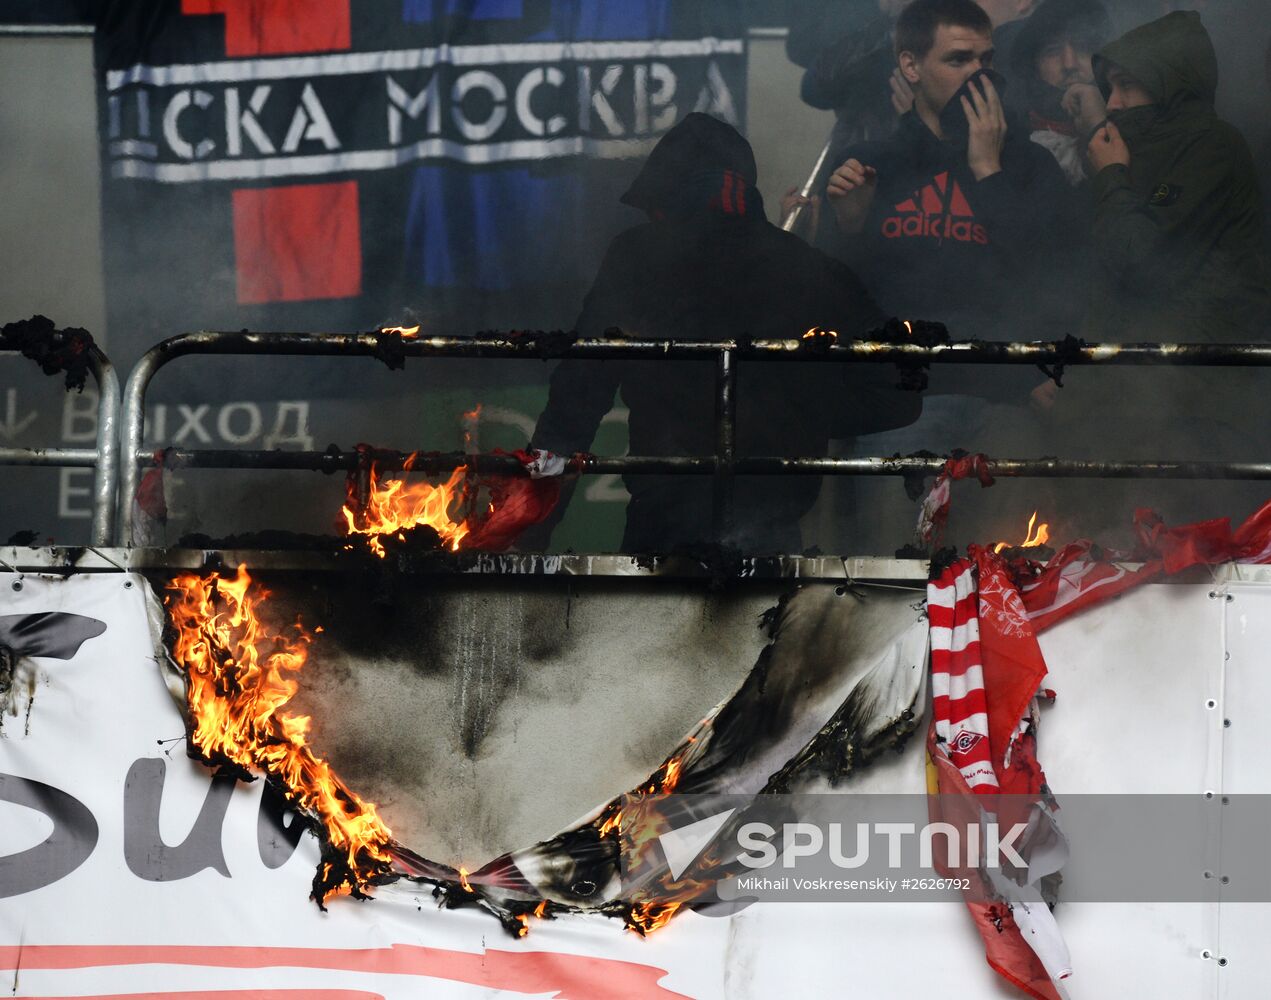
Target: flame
x=540, y=912
x=645, y=918
x=240, y=676
x=395, y=507
x=909, y=327
x=1032, y=540
x=463, y=880
x=816, y=331
x=613, y=822
x=405, y=332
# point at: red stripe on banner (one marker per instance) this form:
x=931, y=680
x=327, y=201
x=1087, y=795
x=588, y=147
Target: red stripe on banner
x=278, y=27
x=246, y=994
x=963, y=660
x=941, y=617
x=954, y=709
x=565, y=976
x=298, y=242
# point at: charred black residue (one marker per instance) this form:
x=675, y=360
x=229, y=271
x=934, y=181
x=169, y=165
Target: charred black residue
x=69, y=350
x=8, y=666
x=546, y=344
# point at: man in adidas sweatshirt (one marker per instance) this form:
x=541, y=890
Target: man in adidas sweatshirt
x=954, y=218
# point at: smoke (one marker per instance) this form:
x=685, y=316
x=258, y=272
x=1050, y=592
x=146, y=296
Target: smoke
x=51, y=170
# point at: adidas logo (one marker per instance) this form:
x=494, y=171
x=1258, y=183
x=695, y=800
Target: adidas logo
x=938, y=211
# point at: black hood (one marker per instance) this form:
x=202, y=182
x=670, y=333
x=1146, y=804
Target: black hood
x=697, y=146
x=1087, y=21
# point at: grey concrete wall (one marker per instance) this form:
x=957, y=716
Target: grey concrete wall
x=50, y=211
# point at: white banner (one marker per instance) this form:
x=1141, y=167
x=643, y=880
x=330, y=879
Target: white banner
x=127, y=870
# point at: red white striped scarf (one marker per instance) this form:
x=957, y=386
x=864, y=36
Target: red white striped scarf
x=959, y=704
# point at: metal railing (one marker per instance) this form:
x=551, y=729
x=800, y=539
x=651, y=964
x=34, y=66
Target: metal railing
x=104, y=458
x=726, y=354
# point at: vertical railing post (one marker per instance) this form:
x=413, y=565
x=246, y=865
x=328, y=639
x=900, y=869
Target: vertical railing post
x=725, y=442
x=106, y=475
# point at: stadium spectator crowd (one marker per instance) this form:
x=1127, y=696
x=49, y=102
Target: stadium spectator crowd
x=1027, y=169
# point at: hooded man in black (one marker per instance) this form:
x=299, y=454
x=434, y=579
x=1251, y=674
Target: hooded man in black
x=1178, y=225
x=708, y=265
x=1178, y=256
x=1053, y=54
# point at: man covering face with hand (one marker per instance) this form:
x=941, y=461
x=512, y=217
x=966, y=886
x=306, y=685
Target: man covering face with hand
x=1178, y=228
x=1052, y=67
x=943, y=221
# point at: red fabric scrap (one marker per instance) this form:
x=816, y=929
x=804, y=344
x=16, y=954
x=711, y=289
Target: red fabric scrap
x=518, y=502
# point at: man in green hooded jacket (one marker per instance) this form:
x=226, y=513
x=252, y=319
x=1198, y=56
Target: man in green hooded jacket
x=1178, y=256
x=1178, y=228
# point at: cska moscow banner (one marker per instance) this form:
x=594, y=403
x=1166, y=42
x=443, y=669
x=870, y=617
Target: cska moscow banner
x=336, y=164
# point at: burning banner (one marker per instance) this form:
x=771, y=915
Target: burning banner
x=266, y=685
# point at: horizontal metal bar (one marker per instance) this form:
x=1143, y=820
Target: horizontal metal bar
x=393, y=348
x=444, y=462
x=514, y=345
x=458, y=565
x=64, y=457
x=46, y=30
x=455, y=564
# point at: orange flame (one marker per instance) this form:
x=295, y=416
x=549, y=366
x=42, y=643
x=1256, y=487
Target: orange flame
x=405, y=332
x=240, y=676
x=540, y=911
x=463, y=880
x=645, y=918
x=1031, y=540
x=816, y=331
x=394, y=507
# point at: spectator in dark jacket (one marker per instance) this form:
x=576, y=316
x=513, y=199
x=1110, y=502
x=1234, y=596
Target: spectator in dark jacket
x=953, y=219
x=1178, y=224
x=947, y=215
x=1053, y=58
x=852, y=71
x=1178, y=255
x=709, y=266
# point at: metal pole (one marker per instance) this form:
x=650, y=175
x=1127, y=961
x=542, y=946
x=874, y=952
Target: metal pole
x=725, y=444
x=131, y=423
x=67, y=458
x=441, y=463
x=809, y=186
x=516, y=345
x=106, y=481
